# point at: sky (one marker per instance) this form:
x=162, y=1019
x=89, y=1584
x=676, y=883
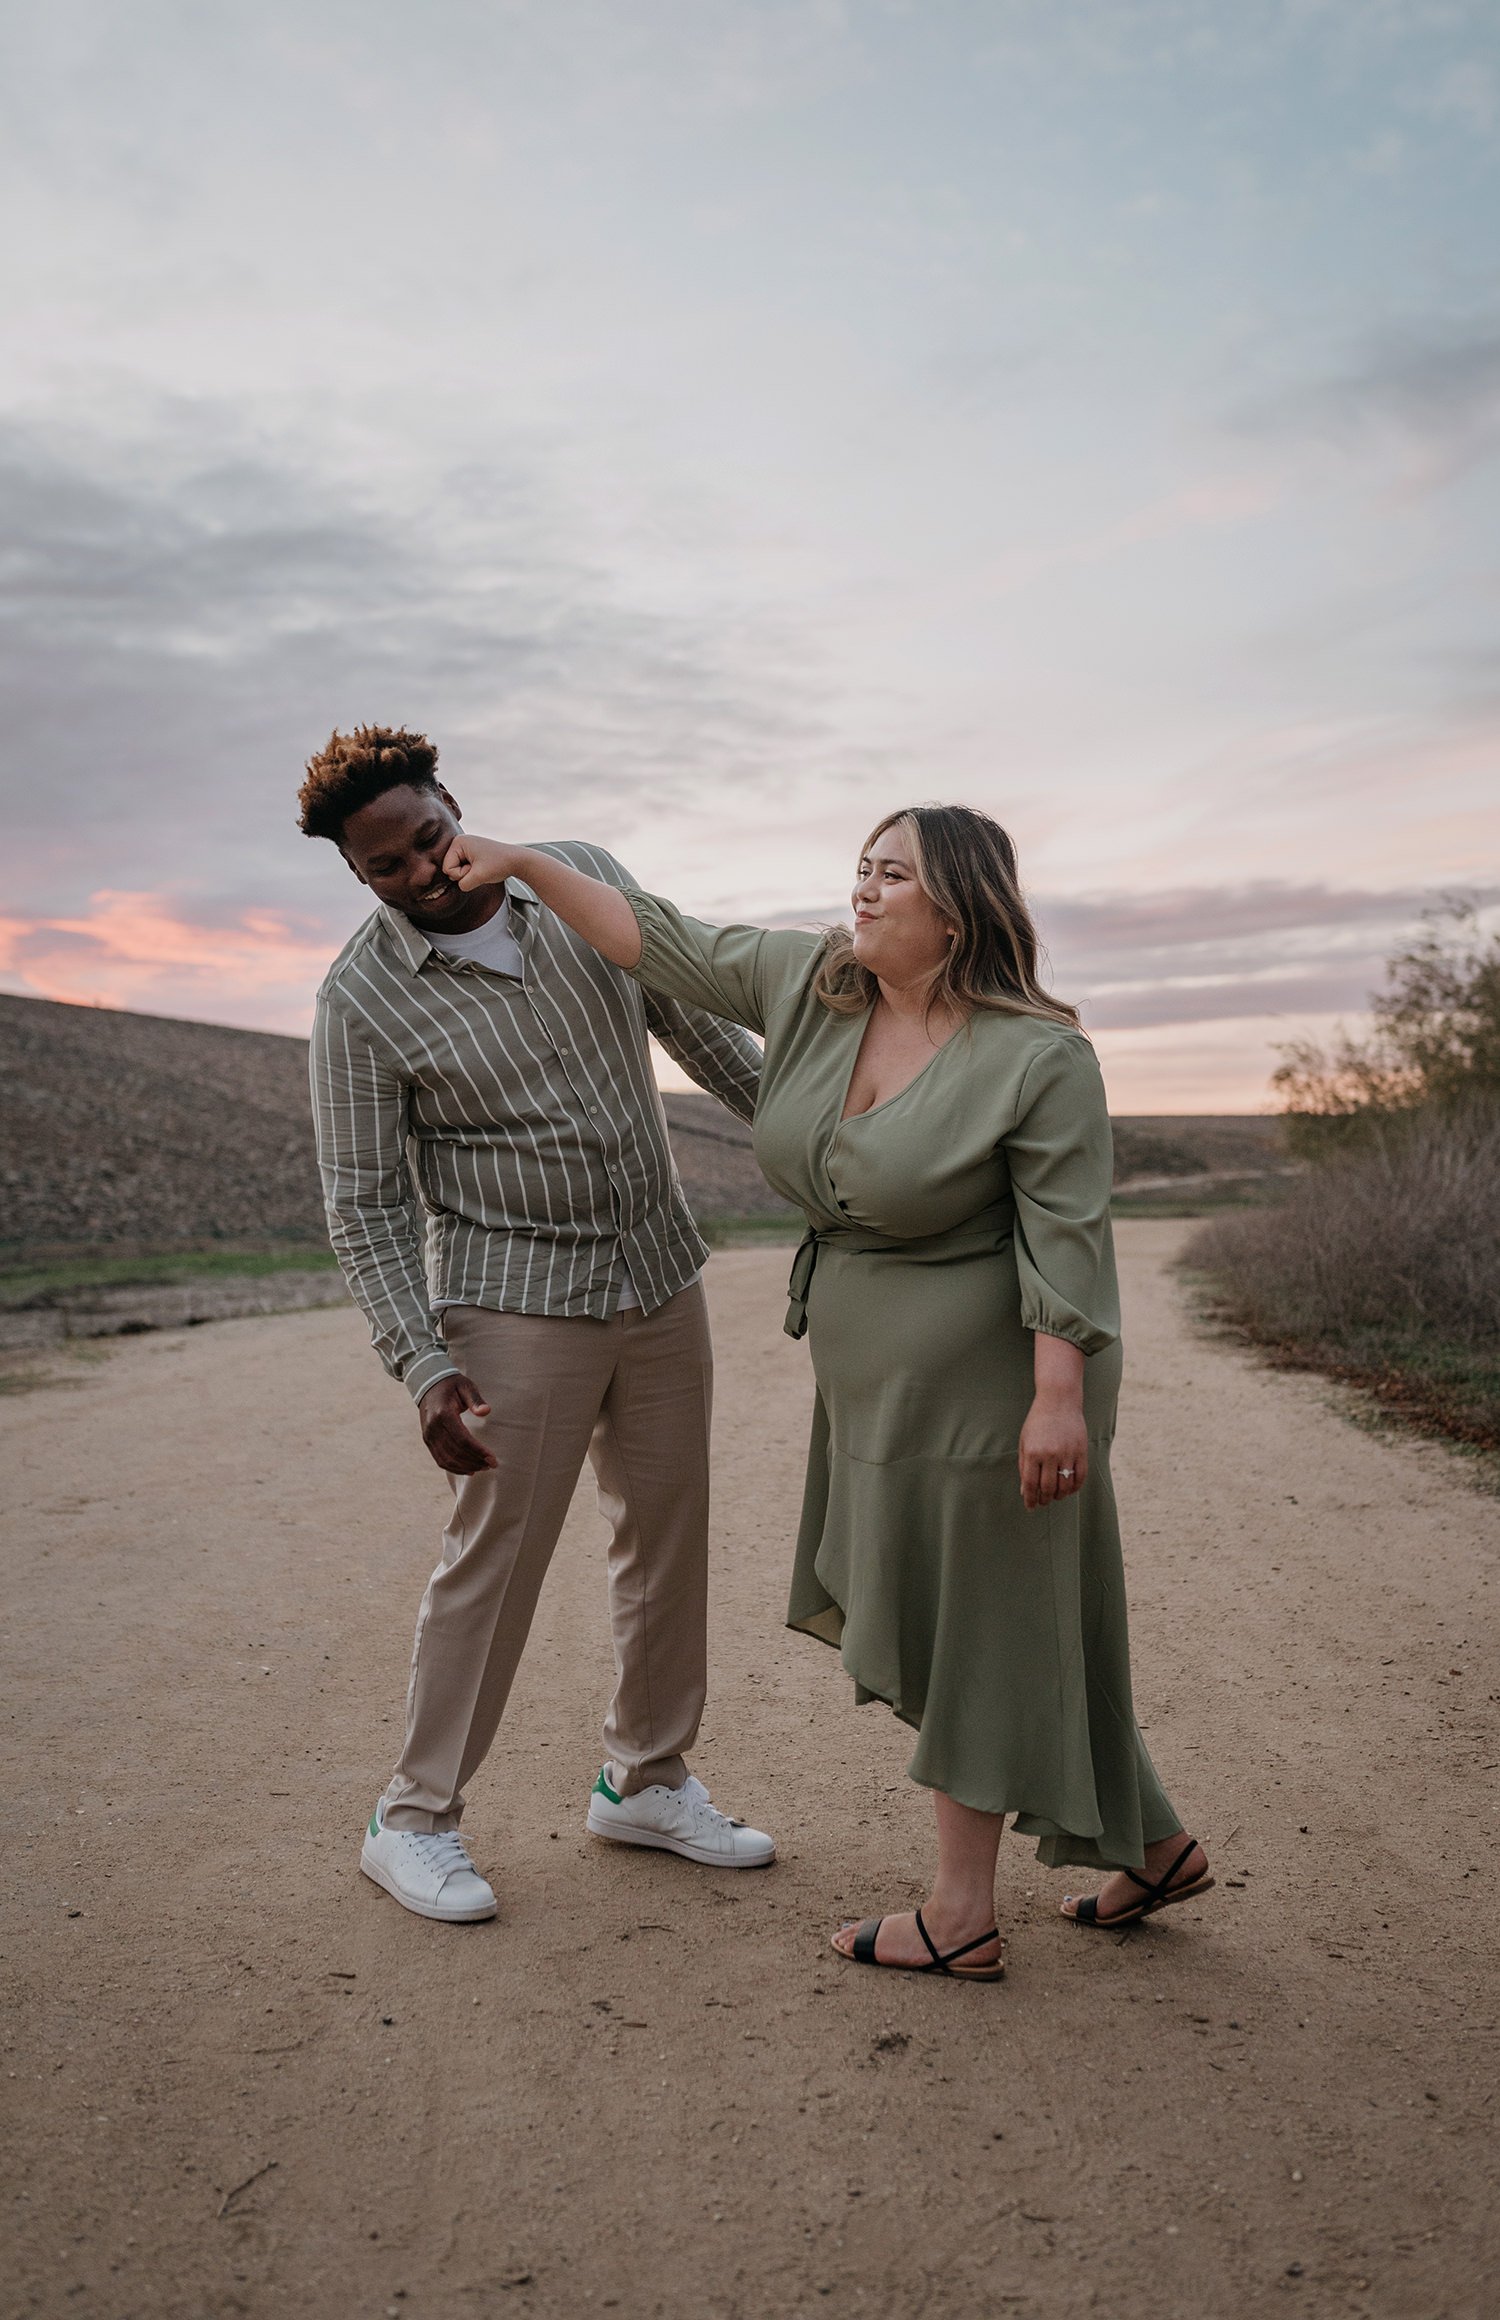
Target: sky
x=719, y=423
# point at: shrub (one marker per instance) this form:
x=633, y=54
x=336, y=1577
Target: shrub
x=1383, y=1265
x=1435, y=1041
x=1401, y=1234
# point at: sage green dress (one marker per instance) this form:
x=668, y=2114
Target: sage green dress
x=945, y=1226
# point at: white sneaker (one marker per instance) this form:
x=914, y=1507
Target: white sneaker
x=430, y=1875
x=678, y=1820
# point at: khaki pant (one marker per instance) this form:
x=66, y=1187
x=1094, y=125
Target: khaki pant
x=633, y=1394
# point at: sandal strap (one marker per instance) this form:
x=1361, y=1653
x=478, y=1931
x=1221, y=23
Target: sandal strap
x=992, y=1935
x=1156, y=1891
x=865, y=1939
x=941, y=1960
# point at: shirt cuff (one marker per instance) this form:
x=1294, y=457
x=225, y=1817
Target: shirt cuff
x=645, y=919
x=425, y=1369
x=1074, y=1328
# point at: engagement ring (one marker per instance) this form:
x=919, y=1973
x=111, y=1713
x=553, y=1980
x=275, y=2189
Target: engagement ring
x=1065, y=1474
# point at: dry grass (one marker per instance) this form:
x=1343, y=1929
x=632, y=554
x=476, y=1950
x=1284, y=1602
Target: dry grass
x=1382, y=1266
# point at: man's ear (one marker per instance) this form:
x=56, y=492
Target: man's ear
x=451, y=802
x=359, y=874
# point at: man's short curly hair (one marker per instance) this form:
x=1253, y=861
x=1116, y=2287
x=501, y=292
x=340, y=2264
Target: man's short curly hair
x=352, y=768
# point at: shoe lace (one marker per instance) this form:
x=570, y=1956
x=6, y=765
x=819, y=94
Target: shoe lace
x=706, y=1813
x=443, y=1851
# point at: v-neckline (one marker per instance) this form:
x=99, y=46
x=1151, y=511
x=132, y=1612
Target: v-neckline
x=845, y=1115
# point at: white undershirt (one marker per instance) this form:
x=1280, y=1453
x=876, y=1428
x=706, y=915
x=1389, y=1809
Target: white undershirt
x=493, y=945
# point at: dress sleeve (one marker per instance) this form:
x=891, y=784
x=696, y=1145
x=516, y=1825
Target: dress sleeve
x=723, y=1059
x=1061, y=1167
x=735, y=971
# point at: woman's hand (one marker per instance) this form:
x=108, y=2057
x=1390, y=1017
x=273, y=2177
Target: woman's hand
x=599, y=912
x=472, y=862
x=1054, y=1452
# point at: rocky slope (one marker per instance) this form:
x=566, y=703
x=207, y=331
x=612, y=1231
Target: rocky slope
x=126, y=1133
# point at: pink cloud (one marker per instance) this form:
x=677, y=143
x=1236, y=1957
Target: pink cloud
x=1194, y=1043
x=137, y=950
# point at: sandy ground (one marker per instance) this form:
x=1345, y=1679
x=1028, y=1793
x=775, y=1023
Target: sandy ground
x=240, y=2080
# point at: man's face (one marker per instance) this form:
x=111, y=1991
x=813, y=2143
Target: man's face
x=395, y=846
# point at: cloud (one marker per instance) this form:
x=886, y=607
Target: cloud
x=1221, y=953
x=1226, y=999
x=138, y=951
x=185, y=611
x=1133, y=962
x=1109, y=924
x=1217, y=954
x=1430, y=396
x=1466, y=91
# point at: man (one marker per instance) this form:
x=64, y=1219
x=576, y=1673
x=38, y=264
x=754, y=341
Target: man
x=472, y=1053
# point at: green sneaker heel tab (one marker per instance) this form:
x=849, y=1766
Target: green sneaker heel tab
x=602, y=1788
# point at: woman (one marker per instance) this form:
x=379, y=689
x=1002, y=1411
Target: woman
x=941, y=1122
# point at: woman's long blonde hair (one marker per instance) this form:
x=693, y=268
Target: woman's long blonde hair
x=965, y=865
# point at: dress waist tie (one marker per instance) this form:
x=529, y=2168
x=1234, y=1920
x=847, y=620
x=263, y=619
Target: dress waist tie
x=984, y=1235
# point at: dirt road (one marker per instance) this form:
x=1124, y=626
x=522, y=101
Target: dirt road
x=238, y=2079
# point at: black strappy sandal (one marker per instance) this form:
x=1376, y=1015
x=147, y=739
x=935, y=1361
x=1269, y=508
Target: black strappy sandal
x=869, y=1933
x=1154, y=1896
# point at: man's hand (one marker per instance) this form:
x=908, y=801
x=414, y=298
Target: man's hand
x=441, y=1411
x=472, y=862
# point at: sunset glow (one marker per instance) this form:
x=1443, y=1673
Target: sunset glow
x=139, y=952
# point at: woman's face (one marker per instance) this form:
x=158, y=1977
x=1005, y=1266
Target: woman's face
x=899, y=932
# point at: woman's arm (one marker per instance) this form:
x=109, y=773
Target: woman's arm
x=738, y=973
x=1058, y=1152
x=1054, y=1452
x=598, y=912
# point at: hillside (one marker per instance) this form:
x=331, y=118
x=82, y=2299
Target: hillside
x=125, y=1134
x=129, y=1133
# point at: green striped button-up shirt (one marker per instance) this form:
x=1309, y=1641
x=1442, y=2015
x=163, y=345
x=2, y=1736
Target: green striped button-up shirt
x=520, y=1115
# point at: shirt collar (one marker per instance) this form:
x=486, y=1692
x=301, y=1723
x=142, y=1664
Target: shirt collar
x=414, y=948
